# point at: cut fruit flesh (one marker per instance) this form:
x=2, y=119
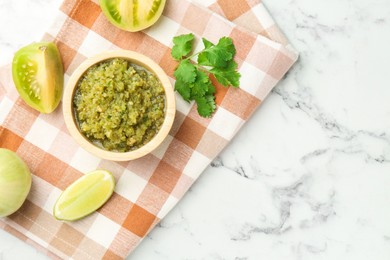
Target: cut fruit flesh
x=84, y=196
x=132, y=15
x=38, y=75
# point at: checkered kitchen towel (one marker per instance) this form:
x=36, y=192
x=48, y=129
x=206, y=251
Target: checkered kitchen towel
x=147, y=188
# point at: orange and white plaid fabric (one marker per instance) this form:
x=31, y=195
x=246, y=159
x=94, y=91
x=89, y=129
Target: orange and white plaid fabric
x=147, y=188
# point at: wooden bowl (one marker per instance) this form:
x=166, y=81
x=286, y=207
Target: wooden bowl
x=84, y=142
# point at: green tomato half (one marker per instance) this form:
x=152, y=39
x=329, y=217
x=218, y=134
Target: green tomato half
x=38, y=75
x=15, y=182
x=132, y=15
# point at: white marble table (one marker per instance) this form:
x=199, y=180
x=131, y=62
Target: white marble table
x=308, y=177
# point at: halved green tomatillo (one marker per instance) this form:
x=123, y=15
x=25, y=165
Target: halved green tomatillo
x=132, y=15
x=38, y=75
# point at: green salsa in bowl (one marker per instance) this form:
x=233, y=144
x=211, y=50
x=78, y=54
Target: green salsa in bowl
x=119, y=105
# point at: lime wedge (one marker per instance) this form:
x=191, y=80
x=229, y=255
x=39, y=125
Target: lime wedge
x=84, y=196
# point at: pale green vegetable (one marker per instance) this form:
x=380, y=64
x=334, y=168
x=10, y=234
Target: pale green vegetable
x=15, y=182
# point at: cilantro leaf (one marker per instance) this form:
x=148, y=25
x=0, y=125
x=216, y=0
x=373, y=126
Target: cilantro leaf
x=226, y=43
x=227, y=76
x=185, y=72
x=183, y=89
x=206, y=105
x=182, y=45
x=207, y=44
x=201, y=85
x=192, y=79
x=217, y=55
x=211, y=90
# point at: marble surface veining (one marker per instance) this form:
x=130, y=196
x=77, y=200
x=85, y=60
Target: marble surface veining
x=308, y=177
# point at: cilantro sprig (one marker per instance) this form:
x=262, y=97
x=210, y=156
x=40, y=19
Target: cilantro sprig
x=192, y=78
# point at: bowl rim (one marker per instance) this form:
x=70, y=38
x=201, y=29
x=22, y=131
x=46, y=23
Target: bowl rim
x=135, y=58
